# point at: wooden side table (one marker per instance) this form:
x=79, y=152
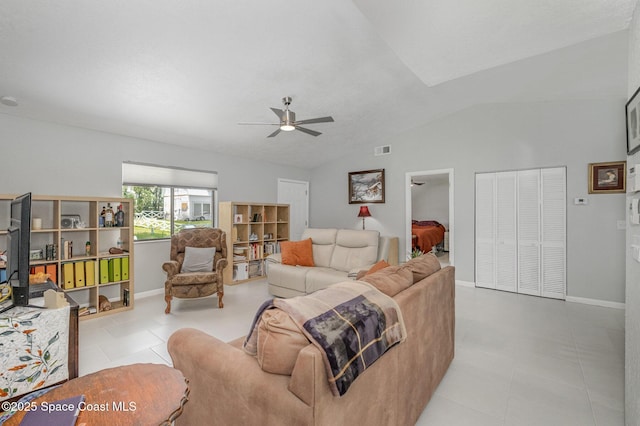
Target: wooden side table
x=73, y=337
x=137, y=394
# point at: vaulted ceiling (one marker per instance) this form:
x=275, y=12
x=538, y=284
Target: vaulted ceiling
x=187, y=72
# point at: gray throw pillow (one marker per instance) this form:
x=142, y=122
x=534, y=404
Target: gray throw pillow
x=198, y=259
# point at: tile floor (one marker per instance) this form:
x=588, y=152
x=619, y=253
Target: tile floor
x=520, y=360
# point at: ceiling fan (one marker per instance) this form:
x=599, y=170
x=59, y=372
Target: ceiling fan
x=288, y=120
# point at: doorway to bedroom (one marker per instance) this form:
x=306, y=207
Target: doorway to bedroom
x=429, y=214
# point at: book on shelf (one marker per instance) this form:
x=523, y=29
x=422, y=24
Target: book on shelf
x=68, y=279
x=256, y=251
x=240, y=271
x=67, y=249
x=52, y=270
x=35, y=270
x=255, y=268
x=90, y=272
x=124, y=272
x=271, y=248
x=115, y=268
x=87, y=310
x=103, y=271
x=51, y=252
x=79, y=274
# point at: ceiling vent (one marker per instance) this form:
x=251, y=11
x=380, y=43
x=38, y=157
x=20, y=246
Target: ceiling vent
x=382, y=150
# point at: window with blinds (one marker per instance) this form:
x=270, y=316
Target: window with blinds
x=168, y=199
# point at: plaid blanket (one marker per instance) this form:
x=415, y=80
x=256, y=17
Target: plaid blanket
x=352, y=323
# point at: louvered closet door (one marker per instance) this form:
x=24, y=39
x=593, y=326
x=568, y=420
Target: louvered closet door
x=506, y=232
x=529, y=232
x=553, y=241
x=485, y=230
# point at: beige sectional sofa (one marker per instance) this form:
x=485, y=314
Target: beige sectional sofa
x=338, y=254
x=229, y=387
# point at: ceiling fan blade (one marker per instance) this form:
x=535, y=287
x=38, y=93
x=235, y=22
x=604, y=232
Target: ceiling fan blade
x=278, y=112
x=316, y=120
x=274, y=133
x=259, y=124
x=308, y=131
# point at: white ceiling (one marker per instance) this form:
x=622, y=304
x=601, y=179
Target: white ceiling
x=187, y=72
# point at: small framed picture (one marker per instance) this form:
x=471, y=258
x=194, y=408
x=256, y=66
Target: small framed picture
x=366, y=187
x=607, y=177
x=632, y=111
x=237, y=218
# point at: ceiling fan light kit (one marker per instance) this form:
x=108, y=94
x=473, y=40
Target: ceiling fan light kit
x=288, y=121
x=287, y=117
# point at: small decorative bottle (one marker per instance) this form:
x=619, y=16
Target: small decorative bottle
x=87, y=248
x=102, y=215
x=108, y=217
x=120, y=217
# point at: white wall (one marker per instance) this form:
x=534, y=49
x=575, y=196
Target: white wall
x=632, y=317
x=430, y=201
x=53, y=159
x=501, y=137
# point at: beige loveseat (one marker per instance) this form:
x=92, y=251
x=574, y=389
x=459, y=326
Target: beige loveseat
x=338, y=254
x=228, y=386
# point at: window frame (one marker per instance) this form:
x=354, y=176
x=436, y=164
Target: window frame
x=137, y=174
x=212, y=201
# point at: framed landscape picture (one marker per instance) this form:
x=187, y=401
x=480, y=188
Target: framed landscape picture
x=366, y=187
x=607, y=177
x=632, y=110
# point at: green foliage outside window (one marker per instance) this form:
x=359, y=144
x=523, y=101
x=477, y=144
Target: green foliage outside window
x=153, y=206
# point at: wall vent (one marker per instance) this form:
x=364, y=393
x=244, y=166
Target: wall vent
x=382, y=150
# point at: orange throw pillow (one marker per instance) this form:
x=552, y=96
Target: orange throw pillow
x=380, y=265
x=297, y=252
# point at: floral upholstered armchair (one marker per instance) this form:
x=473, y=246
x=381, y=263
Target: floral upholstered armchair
x=198, y=256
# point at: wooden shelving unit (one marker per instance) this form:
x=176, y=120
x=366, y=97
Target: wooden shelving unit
x=254, y=231
x=84, y=275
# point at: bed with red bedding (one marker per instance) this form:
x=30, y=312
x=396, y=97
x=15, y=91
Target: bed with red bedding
x=428, y=233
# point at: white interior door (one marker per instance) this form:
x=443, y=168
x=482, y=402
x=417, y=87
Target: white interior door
x=529, y=232
x=553, y=235
x=485, y=230
x=521, y=231
x=296, y=194
x=506, y=232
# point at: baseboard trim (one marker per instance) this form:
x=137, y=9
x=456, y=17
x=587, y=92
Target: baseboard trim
x=149, y=293
x=573, y=299
x=583, y=300
x=595, y=302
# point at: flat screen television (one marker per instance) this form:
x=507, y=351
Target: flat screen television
x=18, y=246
